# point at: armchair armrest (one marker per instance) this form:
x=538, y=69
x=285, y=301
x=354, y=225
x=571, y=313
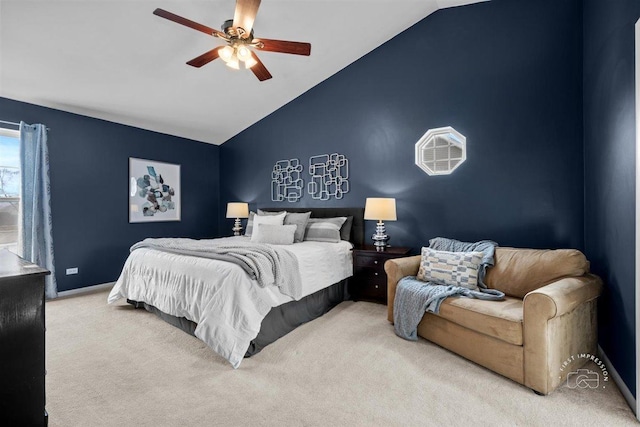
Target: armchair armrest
x=561, y=296
x=396, y=269
x=559, y=320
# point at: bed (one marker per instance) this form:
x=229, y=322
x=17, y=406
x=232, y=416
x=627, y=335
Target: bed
x=220, y=304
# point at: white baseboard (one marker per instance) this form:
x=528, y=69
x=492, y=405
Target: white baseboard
x=86, y=289
x=631, y=401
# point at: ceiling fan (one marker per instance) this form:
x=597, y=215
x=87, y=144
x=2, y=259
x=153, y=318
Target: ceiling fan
x=238, y=33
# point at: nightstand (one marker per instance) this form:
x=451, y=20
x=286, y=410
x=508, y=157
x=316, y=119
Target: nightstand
x=369, y=280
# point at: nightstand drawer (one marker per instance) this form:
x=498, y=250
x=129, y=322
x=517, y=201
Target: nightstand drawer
x=370, y=261
x=370, y=274
x=374, y=291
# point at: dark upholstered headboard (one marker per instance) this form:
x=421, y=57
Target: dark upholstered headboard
x=357, y=229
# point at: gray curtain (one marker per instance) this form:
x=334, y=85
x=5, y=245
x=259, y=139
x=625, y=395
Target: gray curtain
x=36, y=241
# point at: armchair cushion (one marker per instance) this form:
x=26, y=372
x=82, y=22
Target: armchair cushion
x=519, y=271
x=498, y=319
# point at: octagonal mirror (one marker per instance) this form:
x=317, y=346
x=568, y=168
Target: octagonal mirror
x=440, y=151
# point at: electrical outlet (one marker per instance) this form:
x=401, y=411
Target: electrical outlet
x=73, y=270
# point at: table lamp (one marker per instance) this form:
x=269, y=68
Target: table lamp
x=237, y=210
x=380, y=209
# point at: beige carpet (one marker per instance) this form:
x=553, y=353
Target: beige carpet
x=116, y=366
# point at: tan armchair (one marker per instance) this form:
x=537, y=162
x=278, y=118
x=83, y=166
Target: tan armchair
x=548, y=315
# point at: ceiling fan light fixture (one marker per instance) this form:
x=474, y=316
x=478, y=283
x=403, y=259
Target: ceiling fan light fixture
x=233, y=63
x=250, y=62
x=243, y=53
x=226, y=53
x=238, y=34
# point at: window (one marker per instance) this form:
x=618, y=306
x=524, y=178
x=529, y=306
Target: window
x=440, y=151
x=9, y=188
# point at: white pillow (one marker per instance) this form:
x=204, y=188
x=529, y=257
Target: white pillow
x=275, y=234
x=266, y=219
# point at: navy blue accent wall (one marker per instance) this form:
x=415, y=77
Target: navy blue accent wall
x=89, y=164
x=609, y=151
x=506, y=74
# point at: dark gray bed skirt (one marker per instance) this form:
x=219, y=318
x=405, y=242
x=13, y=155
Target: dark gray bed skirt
x=279, y=321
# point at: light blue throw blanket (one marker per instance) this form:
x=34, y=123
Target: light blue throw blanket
x=415, y=297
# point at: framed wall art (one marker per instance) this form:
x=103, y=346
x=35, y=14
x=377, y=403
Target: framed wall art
x=286, y=181
x=154, y=191
x=329, y=176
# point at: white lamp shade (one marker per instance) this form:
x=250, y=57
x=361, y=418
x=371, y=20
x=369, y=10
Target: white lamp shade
x=237, y=210
x=382, y=209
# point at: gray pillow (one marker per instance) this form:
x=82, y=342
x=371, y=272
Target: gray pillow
x=324, y=229
x=300, y=220
x=249, y=229
x=275, y=234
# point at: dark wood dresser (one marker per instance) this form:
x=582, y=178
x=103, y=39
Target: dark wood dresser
x=369, y=280
x=22, y=368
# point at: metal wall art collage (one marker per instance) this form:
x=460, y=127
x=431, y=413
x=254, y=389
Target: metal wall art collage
x=329, y=177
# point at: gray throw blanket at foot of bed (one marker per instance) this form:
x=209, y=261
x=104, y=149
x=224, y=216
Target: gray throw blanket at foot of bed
x=414, y=298
x=267, y=264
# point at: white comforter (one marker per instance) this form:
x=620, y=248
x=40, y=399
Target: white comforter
x=220, y=297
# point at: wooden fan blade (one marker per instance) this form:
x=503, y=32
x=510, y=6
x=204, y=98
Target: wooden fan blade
x=259, y=69
x=282, y=46
x=205, y=58
x=245, y=15
x=186, y=22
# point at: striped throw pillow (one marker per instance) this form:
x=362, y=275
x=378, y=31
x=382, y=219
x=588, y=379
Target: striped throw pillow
x=450, y=268
x=324, y=229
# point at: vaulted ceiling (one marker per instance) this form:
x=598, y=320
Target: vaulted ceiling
x=116, y=61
